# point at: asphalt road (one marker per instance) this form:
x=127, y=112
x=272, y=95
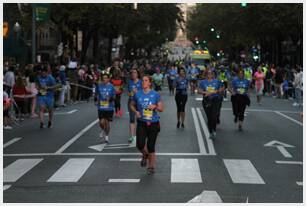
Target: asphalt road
x=69, y=163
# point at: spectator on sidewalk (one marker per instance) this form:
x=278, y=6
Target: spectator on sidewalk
x=298, y=85
x=62, y=78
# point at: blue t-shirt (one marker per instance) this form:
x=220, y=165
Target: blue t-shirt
x=105, y=91
x=181, y=85
x=193, y=73
x=172, y=74
x=47, y=81
x=241, y=86
x=132, y=85
x=286, y=85
x=142, y=101
x=211, y=86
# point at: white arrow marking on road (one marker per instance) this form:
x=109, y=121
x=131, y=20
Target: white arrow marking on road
x=289, y=162
x=207, y=197
x=5, y=187
x=281, y=147
x=98, y=147
x=11, y=142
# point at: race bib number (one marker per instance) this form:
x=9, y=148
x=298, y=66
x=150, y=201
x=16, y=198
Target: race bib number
x=131, y=94
x=104, y=104
x=42, y=92
x=147, y=114
x=241, y=90
x=210, y=89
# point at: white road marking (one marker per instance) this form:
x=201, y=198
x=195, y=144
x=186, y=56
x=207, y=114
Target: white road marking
x=289, y=162
x=211, y=149
x=123, y=147
x=98, y=147
x=198, y=131
x=72, y=170
x=299, y=183
x=5, y=187
x=77, y=136
x=72, y=111
x=98, y=154
x=18, y=168
x=275, y=143
x=125, y=180
x=263, y=110
x=11, y=142
x=242, y=172
x=185, y=171
x=117, y=145
x=284, y=152
x=199, y=98
x=293, y=120
x=206, y=197
x=130, y=159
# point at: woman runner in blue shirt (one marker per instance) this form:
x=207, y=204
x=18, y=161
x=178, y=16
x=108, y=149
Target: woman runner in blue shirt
x=240, y=97
x=211, y=88
x=146, y=104
x=181, y=96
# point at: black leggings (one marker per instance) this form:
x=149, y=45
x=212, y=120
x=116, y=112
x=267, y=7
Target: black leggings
x=147, y=134
x=180, y=102
x=211, y=110
x=239, y=103
x=117, y=102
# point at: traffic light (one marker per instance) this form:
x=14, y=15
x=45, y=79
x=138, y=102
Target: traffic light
x=212, y=29
x=5, y=29
x=218, y=36
x=243, y=4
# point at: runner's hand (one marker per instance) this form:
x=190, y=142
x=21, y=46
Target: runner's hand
x=138, y=115
x=152, y=106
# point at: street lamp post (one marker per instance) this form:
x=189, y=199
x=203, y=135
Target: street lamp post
x=33, y=35
x=17, y=29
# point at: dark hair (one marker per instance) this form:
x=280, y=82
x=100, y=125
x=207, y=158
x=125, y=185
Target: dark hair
x=150, y=79
x=138, y=72
x=180, y=69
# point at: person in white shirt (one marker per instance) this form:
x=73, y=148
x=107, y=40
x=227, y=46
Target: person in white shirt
x=298, y=84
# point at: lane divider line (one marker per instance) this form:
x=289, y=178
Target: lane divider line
x=198, y=131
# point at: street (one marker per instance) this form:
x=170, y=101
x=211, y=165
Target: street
x=69, y=163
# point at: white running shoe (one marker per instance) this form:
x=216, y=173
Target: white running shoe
x=295, y=104
x=106, y=139
x=102, y=134
x=7, y=127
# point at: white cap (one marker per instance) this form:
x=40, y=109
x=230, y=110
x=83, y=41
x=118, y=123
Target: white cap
x=62, y=68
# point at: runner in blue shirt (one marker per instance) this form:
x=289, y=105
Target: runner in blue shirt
x=104, y=99
x=146, y=104
x=193, y=72
x=45, y=97
x=210, y=88
x=172, y=74
x=181, y=96
x=133, y=87
x=240, y=97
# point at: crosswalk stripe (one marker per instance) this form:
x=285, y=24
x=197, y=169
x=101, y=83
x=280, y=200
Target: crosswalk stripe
x=207, y=197
x=11, y=142
x=299, y=183
x=185, y=171
x=131, y=159
x=18, y=168
x=72, y=170
x=125, y=180
x=243, y=172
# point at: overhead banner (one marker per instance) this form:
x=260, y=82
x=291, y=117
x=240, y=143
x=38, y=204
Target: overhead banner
x=42, y=12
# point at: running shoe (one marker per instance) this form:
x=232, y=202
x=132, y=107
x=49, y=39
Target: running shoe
x=178, y=125
x=240, y=128
x=49, y=124
x=218, y=120
x=34, y=115
x=106, y=139
x=211, y=136
x=182, y=125
x=7, y=127
x=102, y=134
x=214, y=135
x=130, y=140
x=151, y=170
x=41, y=125
x=236, y=119
x=120, y=112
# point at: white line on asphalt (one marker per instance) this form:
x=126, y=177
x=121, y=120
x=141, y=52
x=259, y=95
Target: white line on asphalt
x=284, y=152
x=11, y=142
x=185, y=171
x=117, y=145
x=130, y=159
x=78, y=135
x=98, y=154
x=72, y=170
x=206, y=197
x=198, y=131
x=5, y=187
x=72, y=111
x=299, y=183
x=289, y=162
x=211, y=149
x=242, y=172
x=293, y=120
x=18, y=168
x=125, y=180
x=263, y=110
